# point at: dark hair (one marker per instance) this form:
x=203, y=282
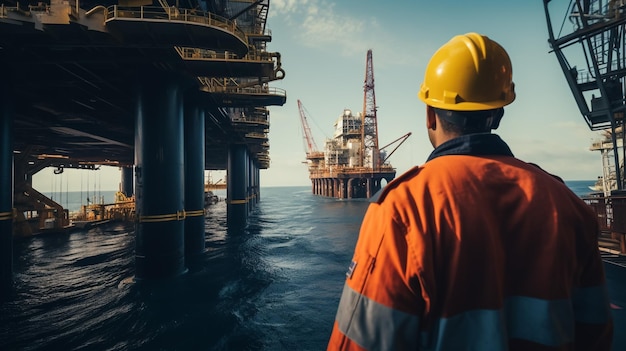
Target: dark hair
x=469, y=122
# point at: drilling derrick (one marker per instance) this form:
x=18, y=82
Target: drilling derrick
x=588, y=39
x=369, y=132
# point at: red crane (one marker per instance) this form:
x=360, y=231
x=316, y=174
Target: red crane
x=370, y=154
x=311, y=147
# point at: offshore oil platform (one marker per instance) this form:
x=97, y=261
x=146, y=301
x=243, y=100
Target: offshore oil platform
x=587, y=37
x=352, y=165
x=162, y=89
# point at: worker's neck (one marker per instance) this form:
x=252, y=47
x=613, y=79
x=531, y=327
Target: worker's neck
x=441, y=137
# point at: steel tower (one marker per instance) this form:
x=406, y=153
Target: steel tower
x=588, y=39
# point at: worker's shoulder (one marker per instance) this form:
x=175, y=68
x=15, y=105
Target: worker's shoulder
x=543, y=171
x=405, y=177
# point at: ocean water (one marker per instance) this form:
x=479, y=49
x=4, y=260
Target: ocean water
x=272, y=286
x=580, y=187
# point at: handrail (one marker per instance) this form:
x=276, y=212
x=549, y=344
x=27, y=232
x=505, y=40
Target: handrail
x=256, y=135
x=4, y=10
x=249, y=120
x=198, y=54
x=96, y=9
x=246, y=90
x=334, y=170
x=174, y=14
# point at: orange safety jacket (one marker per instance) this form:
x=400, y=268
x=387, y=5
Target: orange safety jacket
x=475, y=250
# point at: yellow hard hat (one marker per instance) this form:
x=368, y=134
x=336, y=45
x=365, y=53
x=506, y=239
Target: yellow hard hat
x=470, y=72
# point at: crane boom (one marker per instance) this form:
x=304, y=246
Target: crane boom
x=401, y=139
x=311, y=147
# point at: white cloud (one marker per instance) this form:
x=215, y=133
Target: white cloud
x=326, y=26
x=323, y=27
x=318, y=25
x=281, y=7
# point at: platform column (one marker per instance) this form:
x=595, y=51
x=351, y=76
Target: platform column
x=368, y=187
x=159, y=178
x=342, y=188
x=257, y=177
x=194, y=179
x=257, y=186
x=248, y=183
x=6, y=191
x=253, y=183
x=377, y=183
x=237, y=215
x=126, y=186
x=350, y=187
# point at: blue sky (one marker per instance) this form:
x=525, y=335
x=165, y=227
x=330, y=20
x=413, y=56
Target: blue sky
x=323, y=46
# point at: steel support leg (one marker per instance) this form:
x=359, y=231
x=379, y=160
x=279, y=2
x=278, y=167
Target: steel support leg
x=257, y=184
x=349, y=186
x=237, y=215
x=6, y=192
x=159, y=183
x=249, y=190
x=127, y=181
x=253, y=185
x=194, y=180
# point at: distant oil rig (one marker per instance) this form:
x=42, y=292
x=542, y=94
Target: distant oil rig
x=352, y=165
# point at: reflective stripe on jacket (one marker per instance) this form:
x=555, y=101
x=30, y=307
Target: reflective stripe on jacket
x=475, y=250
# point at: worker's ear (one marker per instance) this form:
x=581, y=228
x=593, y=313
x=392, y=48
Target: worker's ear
x=431, y=118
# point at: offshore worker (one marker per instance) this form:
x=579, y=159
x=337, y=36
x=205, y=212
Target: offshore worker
x=475, y=249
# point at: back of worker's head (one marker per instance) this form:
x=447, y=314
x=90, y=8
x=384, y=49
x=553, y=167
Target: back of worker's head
x=467, y=82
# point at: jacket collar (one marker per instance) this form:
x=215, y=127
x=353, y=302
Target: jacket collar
x=481, y=144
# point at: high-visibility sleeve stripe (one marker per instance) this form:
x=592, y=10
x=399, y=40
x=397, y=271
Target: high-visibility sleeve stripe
x=374, y=326
x=592, y=305
x=546, y=322
x=473, y=330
